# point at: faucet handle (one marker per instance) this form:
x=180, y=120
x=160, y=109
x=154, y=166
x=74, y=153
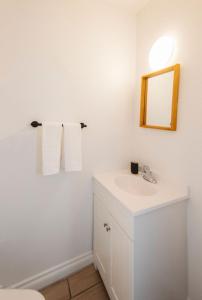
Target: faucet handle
x=146, y=169
x=147, y=174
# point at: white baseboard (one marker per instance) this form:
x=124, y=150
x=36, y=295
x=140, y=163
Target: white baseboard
x=55, y=273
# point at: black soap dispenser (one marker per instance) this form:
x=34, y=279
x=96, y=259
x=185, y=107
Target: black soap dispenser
x=134, y=167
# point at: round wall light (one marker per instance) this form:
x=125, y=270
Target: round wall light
x=161, y=52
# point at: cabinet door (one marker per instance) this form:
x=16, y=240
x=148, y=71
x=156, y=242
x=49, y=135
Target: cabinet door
x=101, y=239
x=121, y=263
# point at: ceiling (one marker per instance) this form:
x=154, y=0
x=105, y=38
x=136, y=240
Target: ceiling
x=133, y=4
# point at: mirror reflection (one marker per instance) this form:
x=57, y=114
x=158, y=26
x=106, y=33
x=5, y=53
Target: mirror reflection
x=159, y=99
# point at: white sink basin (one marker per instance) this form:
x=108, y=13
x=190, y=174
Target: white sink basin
x=135, y=185
x=136, y=194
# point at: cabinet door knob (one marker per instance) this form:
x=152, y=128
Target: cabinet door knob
x=108, y=228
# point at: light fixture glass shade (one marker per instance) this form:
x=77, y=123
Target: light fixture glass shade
x=161, y=52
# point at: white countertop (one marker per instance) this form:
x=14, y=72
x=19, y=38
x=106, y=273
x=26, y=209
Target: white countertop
x=166, y=194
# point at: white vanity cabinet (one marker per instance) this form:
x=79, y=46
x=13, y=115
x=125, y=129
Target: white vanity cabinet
x=113, y=252
x=139, y=256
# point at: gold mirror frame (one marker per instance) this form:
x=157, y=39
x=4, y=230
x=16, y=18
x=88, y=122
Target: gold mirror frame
x=175, y=93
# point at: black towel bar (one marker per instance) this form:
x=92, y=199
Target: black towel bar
x=36, y=124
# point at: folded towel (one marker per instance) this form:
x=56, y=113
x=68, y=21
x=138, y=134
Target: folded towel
x=72, y=154
x=51, y=147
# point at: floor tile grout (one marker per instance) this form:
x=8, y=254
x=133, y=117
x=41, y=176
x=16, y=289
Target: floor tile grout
x=85, y=290
x=69, y=289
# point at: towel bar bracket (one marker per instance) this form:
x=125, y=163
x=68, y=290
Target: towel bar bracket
x=37, y=124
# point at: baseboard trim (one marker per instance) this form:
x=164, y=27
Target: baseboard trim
x=55, y=273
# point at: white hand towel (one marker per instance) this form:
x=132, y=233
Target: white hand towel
x=51, y=147
x=72, y=147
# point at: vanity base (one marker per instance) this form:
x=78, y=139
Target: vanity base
x=141, y=257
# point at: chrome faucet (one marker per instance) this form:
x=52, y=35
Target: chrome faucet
x=147, y=174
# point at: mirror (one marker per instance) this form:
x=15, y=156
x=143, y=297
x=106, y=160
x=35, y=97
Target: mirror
x=159, y=99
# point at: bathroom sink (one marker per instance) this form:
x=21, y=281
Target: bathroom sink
x=135, y=185
x=135, y=193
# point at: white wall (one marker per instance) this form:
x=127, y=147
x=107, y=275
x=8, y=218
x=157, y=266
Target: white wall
x=59, y=60
x=177, y=155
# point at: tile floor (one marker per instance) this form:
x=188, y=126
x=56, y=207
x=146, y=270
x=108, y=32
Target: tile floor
x=84, y=285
